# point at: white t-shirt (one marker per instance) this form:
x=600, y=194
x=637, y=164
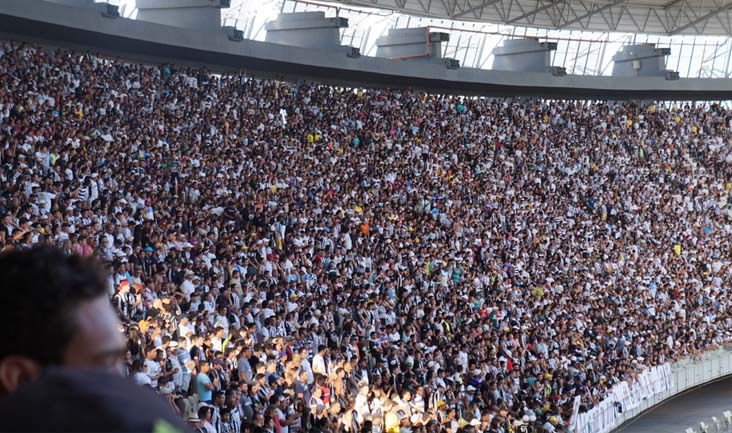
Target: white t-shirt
x=188, y=288
x=319, y=364
x=141, y=379
x=282, y=417
x=152, y=368
x=209, y=428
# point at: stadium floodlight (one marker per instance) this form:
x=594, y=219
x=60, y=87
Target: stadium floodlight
x=671, y=75
x=234, y=34
x=108, y=10
x=452, y=63
x=558, y=71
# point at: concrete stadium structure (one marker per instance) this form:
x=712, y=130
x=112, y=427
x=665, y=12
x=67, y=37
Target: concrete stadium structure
x=96, y=27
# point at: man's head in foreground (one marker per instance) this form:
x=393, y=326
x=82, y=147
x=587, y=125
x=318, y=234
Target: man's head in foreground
x=54, y=312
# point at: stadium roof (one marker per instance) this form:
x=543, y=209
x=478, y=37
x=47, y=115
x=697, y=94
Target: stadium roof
x=665, y=17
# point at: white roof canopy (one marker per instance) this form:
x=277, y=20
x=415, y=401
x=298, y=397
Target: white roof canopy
x=665, y=17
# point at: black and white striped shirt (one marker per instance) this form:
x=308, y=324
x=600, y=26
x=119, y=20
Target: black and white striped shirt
x=234, y=423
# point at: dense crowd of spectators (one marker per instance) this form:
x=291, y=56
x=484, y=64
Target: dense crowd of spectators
x=315, y=259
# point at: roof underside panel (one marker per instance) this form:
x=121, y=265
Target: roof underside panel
x=664, y=17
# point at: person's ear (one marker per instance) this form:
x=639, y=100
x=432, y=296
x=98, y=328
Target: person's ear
x=15, y=371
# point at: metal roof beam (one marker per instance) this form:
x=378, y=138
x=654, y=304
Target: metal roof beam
x=662, y=17
x=702, y=18
x=672, y=3
x=535, y=11
x=483, y=4
x=590, y=13
x=721, y=23
x=425, y=9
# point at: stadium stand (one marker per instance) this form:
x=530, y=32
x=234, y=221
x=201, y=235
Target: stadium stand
x=312, y=258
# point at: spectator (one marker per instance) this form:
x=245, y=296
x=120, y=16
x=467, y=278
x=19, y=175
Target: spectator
x=381, y=255
x=110, y=402
x=205, y=386
x=204, y=414
x=78, y=327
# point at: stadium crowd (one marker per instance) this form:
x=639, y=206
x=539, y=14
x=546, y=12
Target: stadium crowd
x=308, y=258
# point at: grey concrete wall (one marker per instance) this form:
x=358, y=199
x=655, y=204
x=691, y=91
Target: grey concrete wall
x=416, y=51
x=199, y=15
x=651, y=61
x=305, y=30
x=74, y=3
x=522, y=55
x=414, y=44
x=37, y=20
x=190, y=18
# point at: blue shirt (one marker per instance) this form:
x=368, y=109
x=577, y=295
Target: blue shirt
x=203, y=394
x=183, y=357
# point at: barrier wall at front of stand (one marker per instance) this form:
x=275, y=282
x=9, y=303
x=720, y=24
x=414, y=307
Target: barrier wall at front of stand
x=620, y=407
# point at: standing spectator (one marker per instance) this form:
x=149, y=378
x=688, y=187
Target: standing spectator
x=204, y=385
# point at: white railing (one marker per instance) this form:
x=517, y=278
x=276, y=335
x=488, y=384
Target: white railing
x=626, y=401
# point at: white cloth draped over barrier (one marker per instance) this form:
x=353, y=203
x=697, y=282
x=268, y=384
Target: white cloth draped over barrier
x=622, y=397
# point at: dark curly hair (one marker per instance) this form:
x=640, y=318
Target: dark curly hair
x=40, y=289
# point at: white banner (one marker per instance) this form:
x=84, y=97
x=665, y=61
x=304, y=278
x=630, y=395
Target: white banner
x=623, y=397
